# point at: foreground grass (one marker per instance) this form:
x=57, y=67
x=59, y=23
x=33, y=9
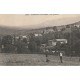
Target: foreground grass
x=36, y=60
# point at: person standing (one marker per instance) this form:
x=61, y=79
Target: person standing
x=61, y=55
x=47, y=53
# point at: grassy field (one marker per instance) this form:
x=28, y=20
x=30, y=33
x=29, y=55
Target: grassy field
x=7, y=59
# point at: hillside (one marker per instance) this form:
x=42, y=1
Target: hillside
x=4, y=30
x=7, y=30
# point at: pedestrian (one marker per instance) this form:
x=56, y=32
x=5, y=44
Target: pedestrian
x=47, y=52
x=61, y=55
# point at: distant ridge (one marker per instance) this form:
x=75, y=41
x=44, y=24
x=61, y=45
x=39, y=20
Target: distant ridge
x=5, y=30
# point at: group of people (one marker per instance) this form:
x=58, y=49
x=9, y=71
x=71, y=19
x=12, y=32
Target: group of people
x=60, y=55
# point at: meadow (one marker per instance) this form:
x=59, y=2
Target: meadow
x=8, y=59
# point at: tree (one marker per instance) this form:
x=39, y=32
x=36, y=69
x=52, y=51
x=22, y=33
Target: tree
x=7, y=43
x=55, y=28
x=32, y=43
x=32, y=46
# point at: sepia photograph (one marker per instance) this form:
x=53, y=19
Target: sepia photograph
x=39, y=39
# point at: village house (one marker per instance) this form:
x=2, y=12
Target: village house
x=54, y=42
x=37, y=34
x=50, y=30
x=62, y=41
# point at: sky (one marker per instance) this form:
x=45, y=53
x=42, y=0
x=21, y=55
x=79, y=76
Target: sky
x=24, y=21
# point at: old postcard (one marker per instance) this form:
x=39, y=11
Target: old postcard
x=39, y=39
